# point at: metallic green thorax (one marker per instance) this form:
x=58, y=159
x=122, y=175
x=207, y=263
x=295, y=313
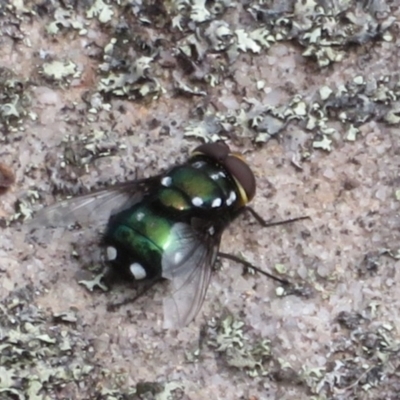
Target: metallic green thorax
x=198, y=189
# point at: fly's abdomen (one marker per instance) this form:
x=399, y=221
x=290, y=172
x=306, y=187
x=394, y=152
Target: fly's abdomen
x=136, y=240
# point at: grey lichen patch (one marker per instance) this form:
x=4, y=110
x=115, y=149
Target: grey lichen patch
x=83, y=150
x=24, y=206
x=332, y=114
x=75, y=157
x=202, y=44
x=126, y=73
x=199, y=40
x=14, y=102
x=255, y=121
x=324, y=143
x=44, y=356
x=65, y=19
x=363, y=360
x=101, y=10
x=228, y=338
x=172, y=390
x=160, y=391
x=96, y=282
x=325, y=30
x=66, y=316
x=39, y=358
x=245, y=42
x=208, y=129
x=60, y=70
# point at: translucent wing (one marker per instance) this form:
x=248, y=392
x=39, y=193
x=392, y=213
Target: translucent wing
x=187, y=264
x=95, y=207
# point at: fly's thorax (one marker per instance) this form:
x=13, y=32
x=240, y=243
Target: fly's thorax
x=199, y=184
x=234, y=165
x=172, y=198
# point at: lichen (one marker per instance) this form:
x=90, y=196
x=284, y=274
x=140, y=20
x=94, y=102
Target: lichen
x=191, y=52
x=60, y=70
x=238, y=350
x=14, y=102
x=37, y=357
x=359, y=360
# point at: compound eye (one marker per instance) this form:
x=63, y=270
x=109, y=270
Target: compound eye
x=243, y=175
x=217, y=151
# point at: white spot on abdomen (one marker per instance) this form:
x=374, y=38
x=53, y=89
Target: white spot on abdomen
x=197, y=201
x=139, y=216
x=137, y=271
x=111, y=253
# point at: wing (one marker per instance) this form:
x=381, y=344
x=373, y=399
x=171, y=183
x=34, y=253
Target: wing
x=188, y=265
x=95, y=207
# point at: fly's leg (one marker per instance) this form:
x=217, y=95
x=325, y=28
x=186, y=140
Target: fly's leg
x=284, y=282
x=247, y=264
x=266, y=224
x=288, y=287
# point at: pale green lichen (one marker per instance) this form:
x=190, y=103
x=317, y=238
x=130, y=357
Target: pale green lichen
x=23, y=206
x=14, y=101
x=34, y=359
x=60, y=70
x=96, y=282
x=325, y=143
x=43, y=354
x=100, y=10
x=135, y=82
x=199, y=12
x=352, y=133
x=81, y=151
x=239, y=351
x=325, y=31
x=351, y=104
x=358, y=362
x=64, y=19
x=319, y=28
x=208, y=129
x=160, y=391
x=280, y=268
x=245, y=42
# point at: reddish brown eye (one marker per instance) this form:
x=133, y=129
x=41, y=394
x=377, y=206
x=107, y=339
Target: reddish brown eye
x=217, y=151
x=243, y=175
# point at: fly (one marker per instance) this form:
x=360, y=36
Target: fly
x=169, y=226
